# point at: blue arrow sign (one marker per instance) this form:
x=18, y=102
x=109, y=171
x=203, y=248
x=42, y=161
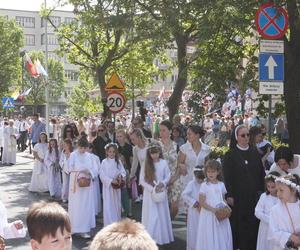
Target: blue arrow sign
x=271, y=67
x=8, y=102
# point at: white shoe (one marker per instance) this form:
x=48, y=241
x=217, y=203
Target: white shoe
x=137, y=200
x=85, y=236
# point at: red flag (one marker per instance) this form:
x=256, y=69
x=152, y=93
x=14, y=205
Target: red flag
x=30, y=66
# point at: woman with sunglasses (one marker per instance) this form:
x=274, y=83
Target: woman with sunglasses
x=68, y=133
x=244, y=179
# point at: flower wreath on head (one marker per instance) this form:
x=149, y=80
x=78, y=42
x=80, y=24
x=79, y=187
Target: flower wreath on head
x=288, y=183
x=271, y=176
x=154, y=144
x=111, y=144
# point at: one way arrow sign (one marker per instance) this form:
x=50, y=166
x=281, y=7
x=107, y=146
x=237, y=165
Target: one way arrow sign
x=271, y=67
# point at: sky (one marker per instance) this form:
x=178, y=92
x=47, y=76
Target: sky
x=29, y=4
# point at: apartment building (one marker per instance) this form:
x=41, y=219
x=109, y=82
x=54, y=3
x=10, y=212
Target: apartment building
x=34, y=39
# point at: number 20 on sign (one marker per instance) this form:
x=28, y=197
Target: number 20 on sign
x=116, y=102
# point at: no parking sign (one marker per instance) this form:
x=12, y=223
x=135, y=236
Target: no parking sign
x=271, y=21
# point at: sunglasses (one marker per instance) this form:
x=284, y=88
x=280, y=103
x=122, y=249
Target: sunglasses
x=68, y=130
x=244, y=135
x=134, y=124
x=101, y=130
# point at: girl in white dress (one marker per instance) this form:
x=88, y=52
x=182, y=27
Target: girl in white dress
x=190, y=196
x=284, y=225
x=155, y=178
x=212, y=233
x=63, y=162
x=262, y=211
x=10, y=230
x=52, y=163
x=39, y=178
x=112, y=174
x=96, y=184
x=81, y=207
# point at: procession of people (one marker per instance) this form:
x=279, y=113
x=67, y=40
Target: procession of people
x=246, y=199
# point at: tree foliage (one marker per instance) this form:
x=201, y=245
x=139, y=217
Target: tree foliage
x=80, y=103
x=102, y=34
x=56, y=80
x=11, y=42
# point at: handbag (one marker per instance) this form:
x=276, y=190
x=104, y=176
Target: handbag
x=134, y=191
x=223, y=210
x=55, y=166
x=158, y=196
x=83, y=179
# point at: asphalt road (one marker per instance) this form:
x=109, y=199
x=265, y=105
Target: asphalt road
x=14, y=181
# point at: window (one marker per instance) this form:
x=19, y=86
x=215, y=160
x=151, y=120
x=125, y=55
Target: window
x=52, y=39
x=53, y=55
x=56, y=20
x=26, y=22
x=71, y=75
x=29, y=40
x=69, y=20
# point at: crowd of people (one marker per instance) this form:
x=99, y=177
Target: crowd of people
x=248, y=199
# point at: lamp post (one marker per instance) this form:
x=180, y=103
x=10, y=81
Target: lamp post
x=22, y=54
x=46, y=78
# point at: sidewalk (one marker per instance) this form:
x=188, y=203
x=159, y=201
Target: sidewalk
x=14, y=182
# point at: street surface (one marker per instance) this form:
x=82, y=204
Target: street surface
x=14, y=182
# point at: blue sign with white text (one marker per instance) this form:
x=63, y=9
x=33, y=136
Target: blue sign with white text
x=271, y=67
x=8, y=102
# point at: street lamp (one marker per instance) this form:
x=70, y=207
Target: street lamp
x=46, y=78
x=22, y=54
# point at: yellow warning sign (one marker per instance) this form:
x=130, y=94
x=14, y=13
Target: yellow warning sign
x=115, y=84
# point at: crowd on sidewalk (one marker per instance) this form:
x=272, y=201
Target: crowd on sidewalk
x=248, y=199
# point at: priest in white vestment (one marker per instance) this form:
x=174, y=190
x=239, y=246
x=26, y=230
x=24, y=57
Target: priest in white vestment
x=10, y=134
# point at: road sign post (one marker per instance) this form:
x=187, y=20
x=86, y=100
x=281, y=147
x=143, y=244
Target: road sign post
x=8, y=102
x=271, y=21
x=116, y=101
x=271, y=67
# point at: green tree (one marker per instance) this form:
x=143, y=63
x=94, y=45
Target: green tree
x=56, y=80
x=103, y=32
x=80, y=103
x=138, y=69
x=204, y=25
x=11, y=42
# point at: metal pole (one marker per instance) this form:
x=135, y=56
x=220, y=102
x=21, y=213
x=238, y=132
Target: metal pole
x=46, y=68
x=270, y=118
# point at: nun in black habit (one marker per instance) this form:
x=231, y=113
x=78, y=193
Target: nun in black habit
x=244, y=180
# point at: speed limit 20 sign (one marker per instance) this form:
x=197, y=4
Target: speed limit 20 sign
x=116, y=102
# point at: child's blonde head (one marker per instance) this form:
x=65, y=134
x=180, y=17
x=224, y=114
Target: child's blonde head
x=124, y=235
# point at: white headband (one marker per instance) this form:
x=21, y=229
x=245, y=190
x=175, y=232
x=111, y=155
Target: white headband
x=271, y=176
x=236, y=130
x=288, y=183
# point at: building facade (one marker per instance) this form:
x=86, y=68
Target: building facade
x=34, y=39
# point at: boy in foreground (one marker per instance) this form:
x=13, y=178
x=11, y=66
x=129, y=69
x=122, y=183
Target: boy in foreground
x=49, y=227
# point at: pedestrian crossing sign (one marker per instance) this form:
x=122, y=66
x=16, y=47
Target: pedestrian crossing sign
x=8, y=102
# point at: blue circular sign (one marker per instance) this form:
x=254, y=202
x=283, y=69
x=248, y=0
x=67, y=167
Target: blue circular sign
x=271, y=22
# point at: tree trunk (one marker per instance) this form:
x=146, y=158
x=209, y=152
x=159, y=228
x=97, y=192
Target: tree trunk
x=292, y=99
x=175, y=99
x=100, y=75
x=292, y=77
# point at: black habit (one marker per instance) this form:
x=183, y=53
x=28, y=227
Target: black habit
x=244, y=181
